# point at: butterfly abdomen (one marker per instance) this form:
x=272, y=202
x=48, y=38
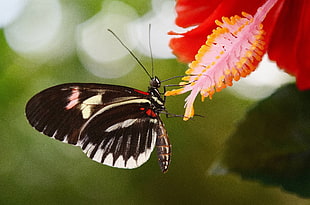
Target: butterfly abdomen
x=163, y=147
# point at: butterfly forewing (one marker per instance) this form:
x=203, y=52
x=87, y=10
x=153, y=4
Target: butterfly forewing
x=114, y=125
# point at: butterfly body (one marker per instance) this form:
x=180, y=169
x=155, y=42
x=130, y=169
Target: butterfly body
x=115, y=125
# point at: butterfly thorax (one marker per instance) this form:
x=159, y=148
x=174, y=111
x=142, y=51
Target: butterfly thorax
x=158, y=102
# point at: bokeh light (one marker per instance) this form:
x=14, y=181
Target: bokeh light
x=10, y=10
x=43, y=31
x=161, y=18
x=262, y=82
x=36, y=29
x=99, y=50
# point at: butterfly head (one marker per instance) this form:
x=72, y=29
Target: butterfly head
x=155, y=82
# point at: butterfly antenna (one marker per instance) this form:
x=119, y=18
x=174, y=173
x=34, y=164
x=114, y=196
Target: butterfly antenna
x=131, y=53
x=151, y=53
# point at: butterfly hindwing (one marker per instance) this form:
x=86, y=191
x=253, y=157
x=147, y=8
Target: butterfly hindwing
x=124, y=141
x=114, y=125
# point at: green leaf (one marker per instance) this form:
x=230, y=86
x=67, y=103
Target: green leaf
x=272, y=143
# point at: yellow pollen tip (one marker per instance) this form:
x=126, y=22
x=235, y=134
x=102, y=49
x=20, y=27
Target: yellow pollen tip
x=174, y=92
x=189, y=113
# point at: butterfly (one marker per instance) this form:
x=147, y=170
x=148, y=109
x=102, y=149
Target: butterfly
x=115, y=125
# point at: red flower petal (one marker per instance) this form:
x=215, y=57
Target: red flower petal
x=187, y=46
x=192, y=13
x=303, y=53
x=290, y=42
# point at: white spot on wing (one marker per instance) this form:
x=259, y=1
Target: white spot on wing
x=44, y=128
x=98, y=155
x=120, y=162
x=86, y=112
x=109, y=160
x=89, y=148
x=55, y=133
x=114, y=127
x=144, y=156
x=131, y=163
x=128, y=122
x=89, y=103
x=123, y=124
x=95, y=100
x=66, y=139
x=153, y=120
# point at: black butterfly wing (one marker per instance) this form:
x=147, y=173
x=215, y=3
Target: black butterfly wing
x=114, y=125
x=60, y=111
x=124, y=141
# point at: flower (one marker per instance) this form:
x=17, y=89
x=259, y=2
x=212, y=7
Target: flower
x=236, y=46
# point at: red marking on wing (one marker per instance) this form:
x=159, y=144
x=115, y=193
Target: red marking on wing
x=142, y=92
x=73, y=98
x=150, y=113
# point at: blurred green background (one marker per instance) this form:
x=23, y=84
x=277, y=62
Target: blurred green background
x=210, y=162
